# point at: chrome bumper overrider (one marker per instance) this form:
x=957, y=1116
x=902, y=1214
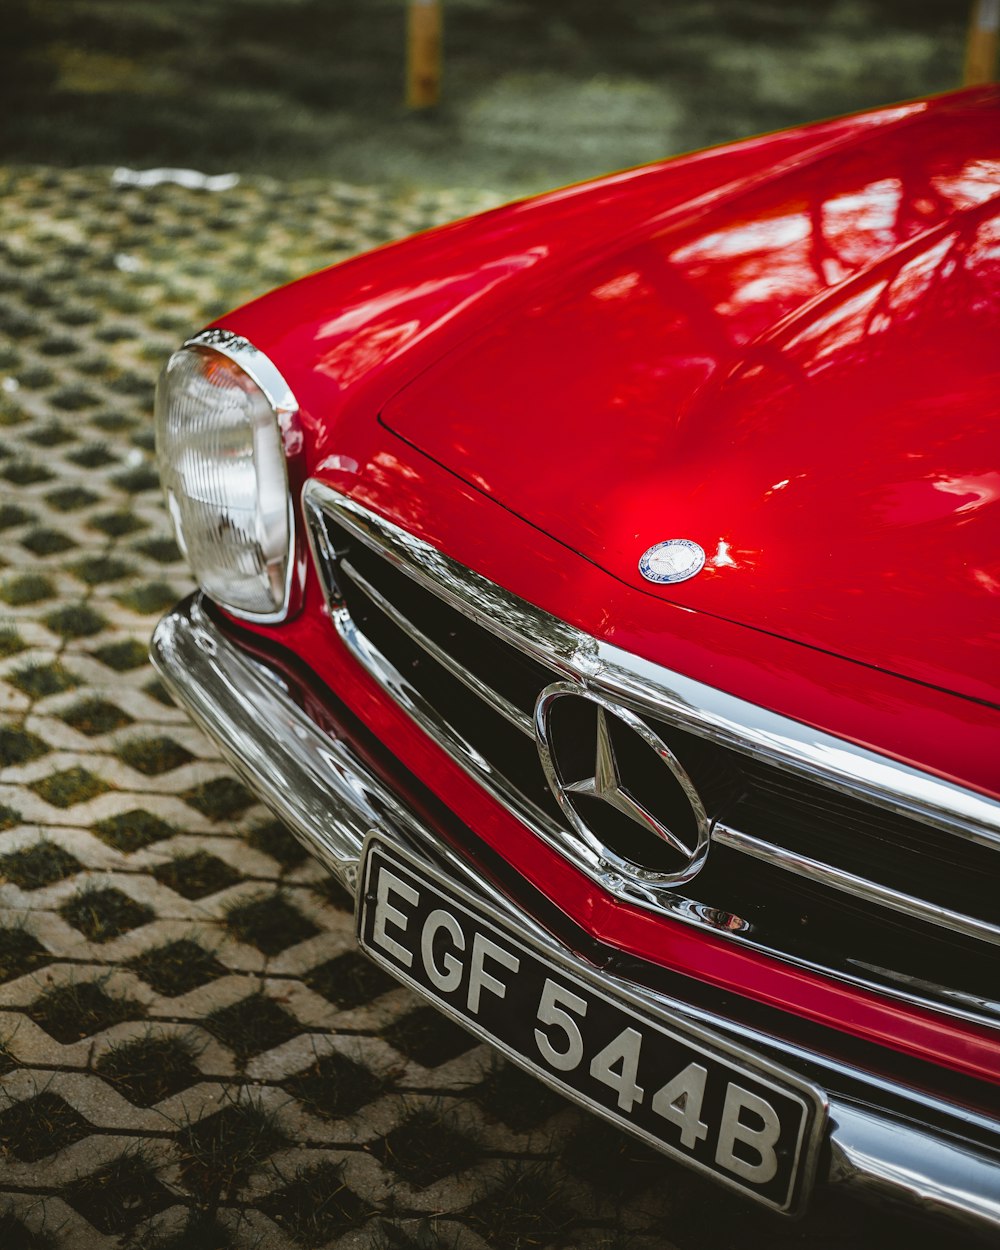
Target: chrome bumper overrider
x=328, y=796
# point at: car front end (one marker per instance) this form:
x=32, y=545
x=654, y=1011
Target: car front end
x=709, y=842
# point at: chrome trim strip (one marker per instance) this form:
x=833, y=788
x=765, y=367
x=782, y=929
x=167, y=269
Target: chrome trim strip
x=285, y=407
x=325, y=794
x=828, y=874
x=520, y=720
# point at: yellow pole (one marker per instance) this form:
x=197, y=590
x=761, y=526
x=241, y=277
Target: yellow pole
x=981, y=50
x=423, y=54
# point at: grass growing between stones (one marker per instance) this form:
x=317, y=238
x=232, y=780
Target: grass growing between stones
x=38, y=681
x=116, y=1197
x=123, y=656
x=428, y=1037
x=251, y=1026
x=197, y=875
x=81, y=1009
x=76, y=620
x=93, y=717
x=220, y=1153
x=427, y=1146
x=153, y=755
x=38, y=865
x=20, y=746
x=271, y=924
x=69, y=787
x=40, y=1126
x=177, y=967
x=335, y=1086
x=133, y=831
x=220, y=799
x=317, y=1205
x=148, y=1069
x=20, y=953
x=103, y=913
x=527, y=1207
x=349, y=980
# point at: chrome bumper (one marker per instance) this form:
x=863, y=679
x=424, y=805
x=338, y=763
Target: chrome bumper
x=324, y=792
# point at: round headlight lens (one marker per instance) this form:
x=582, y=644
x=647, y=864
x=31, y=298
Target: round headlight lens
x=222, y=464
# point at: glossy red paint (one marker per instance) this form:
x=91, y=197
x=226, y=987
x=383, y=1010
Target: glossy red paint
x=500, y=350
x=776, y=379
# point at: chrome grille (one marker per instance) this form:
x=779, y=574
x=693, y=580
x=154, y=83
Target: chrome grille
x=826, y=870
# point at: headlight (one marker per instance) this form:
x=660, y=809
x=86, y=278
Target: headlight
x=224, y=421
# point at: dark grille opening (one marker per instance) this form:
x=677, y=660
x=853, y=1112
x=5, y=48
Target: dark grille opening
x=499, y=665
x=507, y=750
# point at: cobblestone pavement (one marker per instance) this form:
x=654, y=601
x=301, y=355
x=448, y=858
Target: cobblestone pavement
x=192, y=1053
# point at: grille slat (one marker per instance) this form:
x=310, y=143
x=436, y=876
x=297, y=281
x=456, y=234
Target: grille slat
x=796, y=859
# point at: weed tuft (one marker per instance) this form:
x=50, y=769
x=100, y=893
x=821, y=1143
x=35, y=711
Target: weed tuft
x=46, y=542
x=251, y=1026
x=349, y=980
x=331, y=891
x=26, y=588
x=317, y=1206
x=69, y=787
x=196, y=875
x=11, y=642
x=116, y=1197
x=122, y=656
x=177, y=967
x=20, y=746
x=118, y=524
x=40, y=1126
x=426, y=1147
x=38, y=681
x=611, y=1161
x=335, y=1086
x=95, y=716
x=76, y=620
x=70, y=498
x=81, y=1009
x=158, y=691
x=25, y=473
x=271, y=837
x=142, y=477
x=148, y=598
x=92, y=456
x=270, y=923
x=38, y=865
x=162, y=550
x=134, y=830
x=102, y=913
x=148, y=1069
x=220, y=1153
x=12, y=514
x=19, y=953
x=9, y=817
x=153, y=755
x=527, y=1208
x=222, y=798
x=428, y=1037
x=96, y=570
x=516, y=1098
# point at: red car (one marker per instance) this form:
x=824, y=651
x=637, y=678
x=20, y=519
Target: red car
x=607, y=588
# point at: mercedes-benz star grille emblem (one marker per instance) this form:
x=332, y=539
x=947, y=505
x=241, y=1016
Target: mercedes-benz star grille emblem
x=622, y=789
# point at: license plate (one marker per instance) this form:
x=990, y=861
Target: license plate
x=693, y=1095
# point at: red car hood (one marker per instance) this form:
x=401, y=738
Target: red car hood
x=802, y=378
